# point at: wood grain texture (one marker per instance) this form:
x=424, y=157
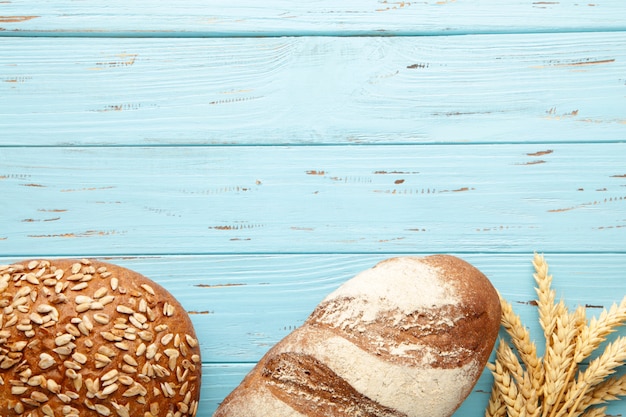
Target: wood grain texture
x=283, y=17
x=322, y=90
x=251, y=157
x=269, y=199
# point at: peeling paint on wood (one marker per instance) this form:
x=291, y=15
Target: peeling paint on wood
x=119, y=194
x=589, y=204
x=540, y=153
x=217, y=285
x=16, y=19
x=289, y=91
x=326, y=17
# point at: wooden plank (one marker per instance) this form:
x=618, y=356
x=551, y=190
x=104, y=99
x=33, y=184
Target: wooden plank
x=252, y=301
x=282, y=17
x=322, y=90
x=239, y=199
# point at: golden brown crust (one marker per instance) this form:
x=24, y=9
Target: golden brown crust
x=93, y=339
x=481, y=305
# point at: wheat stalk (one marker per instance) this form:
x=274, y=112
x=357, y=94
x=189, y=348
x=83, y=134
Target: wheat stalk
x=553, y=386
x=600, y=368
x=598, y=329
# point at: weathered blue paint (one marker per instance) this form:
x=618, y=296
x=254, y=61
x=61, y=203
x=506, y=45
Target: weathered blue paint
x=253, y=175
x=322, y=90
x=323, y=17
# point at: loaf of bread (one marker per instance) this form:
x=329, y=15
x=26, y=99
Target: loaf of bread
x=406, y=338
x=86, y=338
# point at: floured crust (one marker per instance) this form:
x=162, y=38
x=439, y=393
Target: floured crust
x=406, y=338
x=93, y=339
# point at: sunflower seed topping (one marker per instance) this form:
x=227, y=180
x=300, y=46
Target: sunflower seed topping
x=35, y=381
x=78, y=287
x=151, y=351
x=100, y=292
x=191, y=341
x=81, y=308
x=39, y=396
x=64, y=339
x=101, y=318
x=80, y=357
x=109, y=375
x=110, y=389
x=148, y=289
x=166, y=339
x=141, y=349
x=18, y=390
x=102, y=410
x=107, y=351
x=127, y=349
x=81, y=299
x=126, y=380
x=134, y=390
x=130, y=360
x=46, y=361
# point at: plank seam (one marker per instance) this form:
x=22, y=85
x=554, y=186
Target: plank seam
x=381, y=33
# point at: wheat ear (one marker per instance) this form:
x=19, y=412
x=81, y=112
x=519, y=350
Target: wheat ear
x=509, y=393
x=592, y=336
x=569, y=329
x=509, y=361
x=598, y=329
x=603, y=366
x=520, y=338
x=545, y=297
x=495, y=407
x=558, y=357
x=609, y=390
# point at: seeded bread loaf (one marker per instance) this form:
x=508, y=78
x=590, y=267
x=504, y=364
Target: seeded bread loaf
x=406, y=338
x=86, y=338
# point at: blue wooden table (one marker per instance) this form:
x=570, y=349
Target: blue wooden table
x=252, y=156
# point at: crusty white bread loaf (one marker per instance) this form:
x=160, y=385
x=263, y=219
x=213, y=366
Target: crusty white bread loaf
x=406, y=338
x=87, y=338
